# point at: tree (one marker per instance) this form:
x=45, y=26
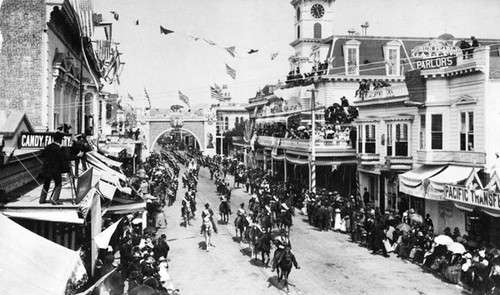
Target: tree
x=341, y=113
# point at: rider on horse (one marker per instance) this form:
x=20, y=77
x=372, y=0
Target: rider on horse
x=282, y=243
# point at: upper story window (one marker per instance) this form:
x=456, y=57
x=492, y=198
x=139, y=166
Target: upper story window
x=298, y=32
x=226, y=123
x=437, y=132
x=370, y=139
x=391, y=54
x=397, y=139
x=422, y=132
x=351, y=54
x=236, y=121
x=467, y=131
x=317, y=30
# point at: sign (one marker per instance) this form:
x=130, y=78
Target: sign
x=436, y=62
x=475, y=197
x=39, y=140
x=435, y=48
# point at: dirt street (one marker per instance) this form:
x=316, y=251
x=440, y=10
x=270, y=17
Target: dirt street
x=330, y=264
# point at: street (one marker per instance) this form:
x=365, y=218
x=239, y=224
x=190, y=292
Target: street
x=330, y=264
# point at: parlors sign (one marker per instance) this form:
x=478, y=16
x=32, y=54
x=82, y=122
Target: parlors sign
x=436, y=62
x=479, y=197
x=435, y=54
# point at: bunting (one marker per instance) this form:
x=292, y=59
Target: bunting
x=130, y=97
x=116, y=16
x=231, y=72
x=149, y=100
x=231, y=50
x=165, y=31
x=184, y=98
x=215, y=94
x=210, y=42
x=273, y=55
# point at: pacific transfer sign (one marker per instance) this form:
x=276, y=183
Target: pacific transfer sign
x=479, y=197
x=39, y=140
x=436, y=62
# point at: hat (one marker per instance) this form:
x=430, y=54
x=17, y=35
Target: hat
x=162, y=259
x=58, y=136
x=467, y=255
x=412, y=211
x=163, y=236
x=337, y=210
x=207, y=205
x=150, y=259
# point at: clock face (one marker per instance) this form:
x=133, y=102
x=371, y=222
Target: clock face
x=317, y=10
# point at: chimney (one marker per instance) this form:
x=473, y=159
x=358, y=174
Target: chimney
x=364, y=28
x=351, y=31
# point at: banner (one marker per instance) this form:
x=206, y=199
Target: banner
x=478, y=197
x=39, y=140
x=436, y=62
x=416, y=86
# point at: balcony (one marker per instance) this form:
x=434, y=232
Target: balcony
x=399, y=162
x=451, y=157
x=323, y=146
x=386, y=92
x=369, y=159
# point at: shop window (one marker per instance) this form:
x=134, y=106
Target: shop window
x=226, y=123
x=402, y=140
x=317, y=30
x=437, y=132
x=466, y=131
x=370, y=139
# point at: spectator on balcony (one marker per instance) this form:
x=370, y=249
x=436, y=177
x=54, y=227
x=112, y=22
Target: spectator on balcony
x=364, y=86
x=465, y=46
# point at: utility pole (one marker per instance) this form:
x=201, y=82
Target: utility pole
x=312, y=159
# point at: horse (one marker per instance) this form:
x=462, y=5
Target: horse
x=186, y=212
x=285, y=220
x=284, y=267
x=241, y=224
x=263, y=245
x=266, y=222
x=224, y=210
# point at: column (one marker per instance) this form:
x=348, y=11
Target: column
x=284, y=164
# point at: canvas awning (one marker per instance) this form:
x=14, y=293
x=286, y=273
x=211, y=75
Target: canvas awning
x=32, y=264
x=452, y=175
x=103, y=238
x=105, y=159
x=126, y=208
x=412, y=182
x=66, y=216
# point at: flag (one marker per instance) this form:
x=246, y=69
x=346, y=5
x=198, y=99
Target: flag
x=137, y=22
x=253, y=51
x=215, y=94
x=149, y=100
x=115, y=15
x=209, y=42
x=184, y=98
x=130, y=97
x=231, y=72
x=165, y=31
x=273, y=55
x=194, y=38
x=84, y=11
x=217, y=88
x=231, y=50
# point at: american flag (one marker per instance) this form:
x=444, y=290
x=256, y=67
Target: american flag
x=216, y=94
x=231, y=72
x=184, y=98
x=84, y=11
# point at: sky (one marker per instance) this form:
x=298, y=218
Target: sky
x=165, y=64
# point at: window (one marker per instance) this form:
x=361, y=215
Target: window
x=370, y=139
x=389, y=139
x=226, y=123
x=392, y=53
x=467, y=131
x=402, y=140
x=351, y=52
x=317, y=30
x=360, y=139
x=437, y=132
x=298, y=32
x=422, y=132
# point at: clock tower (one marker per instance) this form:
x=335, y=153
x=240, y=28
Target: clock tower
x=313, y=23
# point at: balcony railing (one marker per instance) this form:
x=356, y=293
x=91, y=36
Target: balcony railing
x=387, y=92
x=451, y=157
x=321, y=144
x=369, y=159
x=399, y=162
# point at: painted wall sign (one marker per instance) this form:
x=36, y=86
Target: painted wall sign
x=478, y=197
x=436, y=62
x=39, y=140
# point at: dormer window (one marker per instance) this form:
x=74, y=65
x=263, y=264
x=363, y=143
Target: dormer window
x=351, y=53
x=392, y=60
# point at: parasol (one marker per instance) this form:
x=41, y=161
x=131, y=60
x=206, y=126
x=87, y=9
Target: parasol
x=404, y=227
x=456, y=248
x=390, y=233
x=443, y=240
x=416, y=217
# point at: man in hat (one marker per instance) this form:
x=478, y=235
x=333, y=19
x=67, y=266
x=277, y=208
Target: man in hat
x=282, y=244
x=366, y=197
x=208, y=225
x=55, y=163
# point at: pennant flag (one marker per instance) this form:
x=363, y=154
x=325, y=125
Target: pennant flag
x=215, y=94
x=231, y=50
x=210, y=42
x=165, y=31
x=273, y=55
x=137, y=22
x=184, y=98
x=231, y=72
x=149, y=100
x=130, y=97
x=253, y=51
x=115, y=15
x=194, y=38
x=217, y=88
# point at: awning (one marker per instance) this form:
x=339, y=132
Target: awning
x=32, y=264
x=470, y=208
x=412, y=182
x=105, y=159
x=113, y=151
x=451, y=175
x=69, y=216
x=103, y=238
x=297, y=161
x=126, y=208
x=104, y=168
x=278, y=157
